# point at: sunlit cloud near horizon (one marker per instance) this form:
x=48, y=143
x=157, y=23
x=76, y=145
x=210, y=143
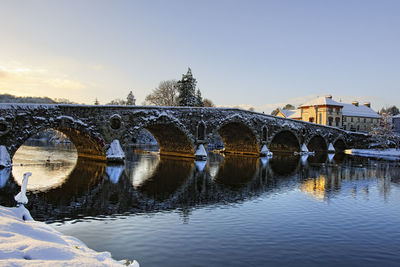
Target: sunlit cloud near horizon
x=27, y=81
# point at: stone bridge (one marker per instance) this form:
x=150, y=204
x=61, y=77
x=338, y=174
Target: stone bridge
x=179, y=131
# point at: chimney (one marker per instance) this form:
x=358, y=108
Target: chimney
x=329, y=96
x=355, y=103
x=367, y=104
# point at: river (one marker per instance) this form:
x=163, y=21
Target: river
x=231, y=211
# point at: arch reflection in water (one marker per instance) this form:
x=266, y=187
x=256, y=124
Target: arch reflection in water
x=141, y=167
x=75, y=196
x=214, y=162
x=50, y=165
x=169, y=175
x=235, y=171
x=283, y=164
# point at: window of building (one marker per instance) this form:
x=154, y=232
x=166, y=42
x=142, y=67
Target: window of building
x=330, y=120
x=311, y=119
x=337, y=110
x=344, y=127
x=358, y=119
x=344, y=119
x=337, y=121
x=365, y=120
x=330, y=110
x=351, y=119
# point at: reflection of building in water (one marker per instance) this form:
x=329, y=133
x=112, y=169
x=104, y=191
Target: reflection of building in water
x=324, y=183
x=314, y=187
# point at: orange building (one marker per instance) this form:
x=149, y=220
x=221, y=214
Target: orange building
x=324, y=110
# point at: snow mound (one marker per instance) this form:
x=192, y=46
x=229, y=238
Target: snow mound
x=5, y=160
x=331, y=148
x=265, y=151
x=115, y=152
x=21, y=196
x=32, y=243
x=201, y=152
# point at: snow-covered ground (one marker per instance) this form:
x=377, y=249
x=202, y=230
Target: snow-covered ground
x=379, y=153
x=25, y=242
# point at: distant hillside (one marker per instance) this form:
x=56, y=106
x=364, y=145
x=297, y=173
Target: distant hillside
x=7, y=98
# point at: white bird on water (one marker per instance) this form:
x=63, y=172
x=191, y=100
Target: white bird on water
x=21, y=196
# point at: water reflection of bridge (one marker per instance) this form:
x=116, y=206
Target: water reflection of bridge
x=152, y=183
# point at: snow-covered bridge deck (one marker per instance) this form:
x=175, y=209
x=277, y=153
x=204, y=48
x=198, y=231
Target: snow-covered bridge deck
x=178, y=130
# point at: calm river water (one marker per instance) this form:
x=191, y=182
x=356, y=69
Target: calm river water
x=231, y=211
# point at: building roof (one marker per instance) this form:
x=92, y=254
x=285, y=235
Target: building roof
x=287, y=112
x=322, y=101
x=351, y=110
x=296, y=114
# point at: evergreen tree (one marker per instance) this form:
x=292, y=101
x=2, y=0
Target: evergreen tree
x=289, y=107
x=199, y=99
x=392, y=110
x=130, y=99
x=186, y=89
x=96, y=102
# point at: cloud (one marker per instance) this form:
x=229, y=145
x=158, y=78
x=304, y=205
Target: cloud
x=25, y=79
x=96, y=67
x=65, y=84
x=3, y=74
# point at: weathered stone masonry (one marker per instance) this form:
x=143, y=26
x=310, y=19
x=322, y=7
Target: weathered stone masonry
x=178, y=130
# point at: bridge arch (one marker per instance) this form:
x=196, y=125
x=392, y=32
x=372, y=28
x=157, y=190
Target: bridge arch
x=317, y=144
x=339, y=144
x=172, y=137
x=285, y=140
x=238, y=137
x=88, y=144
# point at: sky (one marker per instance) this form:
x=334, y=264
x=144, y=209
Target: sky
x=259, y=54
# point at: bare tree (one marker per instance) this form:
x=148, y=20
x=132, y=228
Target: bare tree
x=383, y=134
x=208, y=103
x=117, y=101
x=166, y=94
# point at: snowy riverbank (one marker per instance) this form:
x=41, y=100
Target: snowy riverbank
x=378, y=153
x=25, y=242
